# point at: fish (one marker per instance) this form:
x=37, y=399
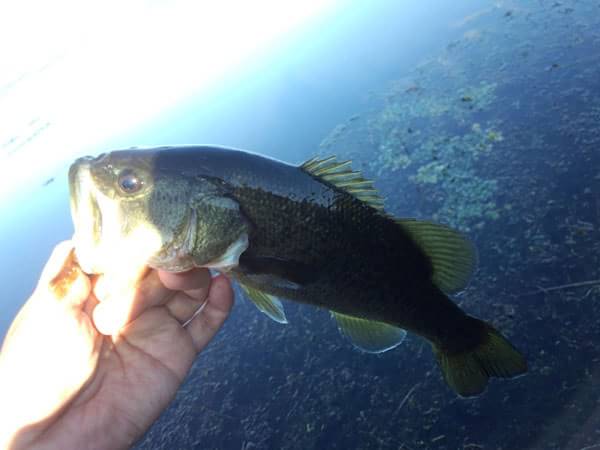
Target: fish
x=315, y=233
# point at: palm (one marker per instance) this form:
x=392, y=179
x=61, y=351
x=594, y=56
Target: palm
x=123, y=381
x=136, y=377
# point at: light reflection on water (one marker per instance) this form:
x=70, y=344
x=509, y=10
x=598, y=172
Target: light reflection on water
x=30, y=227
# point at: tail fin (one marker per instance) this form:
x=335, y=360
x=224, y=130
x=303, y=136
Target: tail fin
x=468, y=372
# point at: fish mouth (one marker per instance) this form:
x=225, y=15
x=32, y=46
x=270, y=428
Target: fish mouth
x=85, y=212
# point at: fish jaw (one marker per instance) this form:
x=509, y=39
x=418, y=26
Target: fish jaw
x=86, y=216
x=106, y=240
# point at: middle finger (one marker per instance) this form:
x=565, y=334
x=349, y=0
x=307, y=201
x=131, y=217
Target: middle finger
x=183, y=307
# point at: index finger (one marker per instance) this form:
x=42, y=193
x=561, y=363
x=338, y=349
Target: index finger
x=189, y=282
x=120, y=305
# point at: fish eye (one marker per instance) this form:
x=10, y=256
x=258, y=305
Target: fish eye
x=129, y=182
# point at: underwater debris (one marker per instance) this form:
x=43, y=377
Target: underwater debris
x=406, y=397
x=436, y=144
x=430, y=173
x=544, y=290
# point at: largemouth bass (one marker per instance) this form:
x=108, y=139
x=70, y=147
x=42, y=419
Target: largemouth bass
x=315, y=233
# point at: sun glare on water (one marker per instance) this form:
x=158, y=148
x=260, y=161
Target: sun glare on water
x=75, y=73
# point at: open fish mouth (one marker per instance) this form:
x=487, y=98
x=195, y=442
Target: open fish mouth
x=85, y=212
x=108, y=237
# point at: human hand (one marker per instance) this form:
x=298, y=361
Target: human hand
x=64, y=384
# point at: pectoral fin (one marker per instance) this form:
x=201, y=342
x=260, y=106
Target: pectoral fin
x=369, y=335
x=266, y=303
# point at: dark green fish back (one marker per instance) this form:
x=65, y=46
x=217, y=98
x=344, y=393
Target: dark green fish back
x=339, y=252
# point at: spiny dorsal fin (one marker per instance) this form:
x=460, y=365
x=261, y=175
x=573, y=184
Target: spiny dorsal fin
x=341, y=175
x=369, y=335
x=452, y=255
x=266, y=303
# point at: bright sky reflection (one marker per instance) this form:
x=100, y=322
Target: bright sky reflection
x=74, y=73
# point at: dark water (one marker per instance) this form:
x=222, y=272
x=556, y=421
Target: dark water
x=484, y=116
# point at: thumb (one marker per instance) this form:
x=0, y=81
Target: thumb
x=62, y=277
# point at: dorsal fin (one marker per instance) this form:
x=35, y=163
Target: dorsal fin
x=341, y=175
